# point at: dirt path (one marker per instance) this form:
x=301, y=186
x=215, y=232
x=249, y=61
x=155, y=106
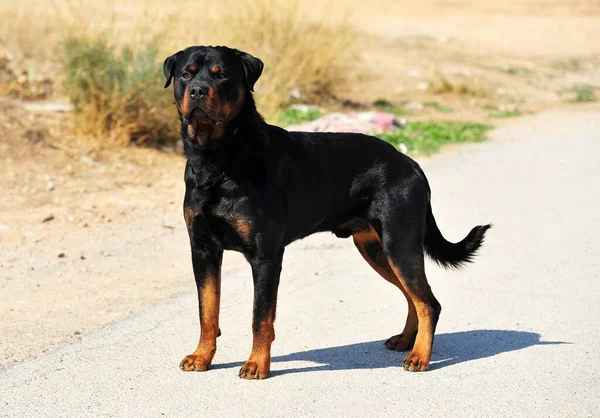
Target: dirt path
x=86, y=242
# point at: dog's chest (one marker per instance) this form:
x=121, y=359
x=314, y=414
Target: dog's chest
x=222, y=212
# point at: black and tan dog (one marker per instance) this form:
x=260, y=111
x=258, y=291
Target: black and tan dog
x=254, y=188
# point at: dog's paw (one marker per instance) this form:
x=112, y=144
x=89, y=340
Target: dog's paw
x=195, y=362
x=400, y=342
x=416, y=362
x=255, y=370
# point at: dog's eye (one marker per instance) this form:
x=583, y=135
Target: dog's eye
x=185, y=76
x=221, y=76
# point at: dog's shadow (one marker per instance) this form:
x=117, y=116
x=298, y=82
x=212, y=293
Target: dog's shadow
x=449, y=349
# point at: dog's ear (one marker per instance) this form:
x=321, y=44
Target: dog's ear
x=169, y=67
x=252, y=67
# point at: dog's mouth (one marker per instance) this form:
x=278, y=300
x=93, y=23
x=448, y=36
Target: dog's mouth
x=200, y=116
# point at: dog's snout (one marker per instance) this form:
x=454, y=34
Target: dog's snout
x=198, y=92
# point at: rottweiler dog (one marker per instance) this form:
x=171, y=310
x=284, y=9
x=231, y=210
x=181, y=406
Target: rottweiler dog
x=254, y=188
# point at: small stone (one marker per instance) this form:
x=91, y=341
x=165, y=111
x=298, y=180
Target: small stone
x=424, y=85
x=87, y=160
x=416, y=106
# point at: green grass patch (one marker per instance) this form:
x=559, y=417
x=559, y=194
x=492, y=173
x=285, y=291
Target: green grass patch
x=584, y=94
x=293, y=116
x=386, y=106
x=118, y=93
x=382, y=103
x=397, y=110
x=506, y=114
x=438, y=107
x=428, y=137
x=489, y=107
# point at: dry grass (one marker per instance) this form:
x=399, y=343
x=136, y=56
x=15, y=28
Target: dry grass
x=308, y=46
x=99, y=46
x=305, y=61
x=459, y=85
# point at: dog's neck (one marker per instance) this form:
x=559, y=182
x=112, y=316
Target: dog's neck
x=216, y=151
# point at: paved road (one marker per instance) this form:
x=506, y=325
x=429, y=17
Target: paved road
x=518, y=336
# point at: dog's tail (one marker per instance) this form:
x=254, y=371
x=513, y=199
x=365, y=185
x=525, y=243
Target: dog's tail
x=448, y=254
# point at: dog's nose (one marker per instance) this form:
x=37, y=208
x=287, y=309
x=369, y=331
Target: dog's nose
x=197, y=92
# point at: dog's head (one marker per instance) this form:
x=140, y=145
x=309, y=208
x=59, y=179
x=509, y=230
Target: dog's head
x=211, y=85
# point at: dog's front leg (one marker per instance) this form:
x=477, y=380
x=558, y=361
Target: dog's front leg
x=266, y=281
x=206, y=261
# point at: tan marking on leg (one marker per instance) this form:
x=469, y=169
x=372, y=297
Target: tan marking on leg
x=210, y=297
x=242, y=227
x=381, y=265
x=188, y=214
x=420, y=356
x=258, y=365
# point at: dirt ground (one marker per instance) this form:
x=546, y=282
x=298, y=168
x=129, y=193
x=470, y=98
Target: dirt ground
x=90, y=235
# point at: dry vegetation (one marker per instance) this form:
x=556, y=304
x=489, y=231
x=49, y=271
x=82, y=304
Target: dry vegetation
x=106, y=56
x=111, y=63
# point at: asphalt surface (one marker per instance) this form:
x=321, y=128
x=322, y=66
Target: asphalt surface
x=518, y=335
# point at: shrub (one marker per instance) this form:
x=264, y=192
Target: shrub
x=305, y=60
x=584, y=93
x=118, y=92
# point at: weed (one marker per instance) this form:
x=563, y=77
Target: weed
x=438, y=107
x=429, y=137
x=570, y=64
x=460, y=86
x=382, y=103
x=516, y=71
x=506, y=114
x=584, y=93
x=387, y=106
x=397, y=110
x=292, y=116
x=489, y=107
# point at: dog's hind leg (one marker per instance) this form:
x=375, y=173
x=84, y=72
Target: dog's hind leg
x=403, y=245
x=370, y=247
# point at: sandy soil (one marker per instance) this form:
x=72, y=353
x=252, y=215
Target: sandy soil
x=89, y=236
